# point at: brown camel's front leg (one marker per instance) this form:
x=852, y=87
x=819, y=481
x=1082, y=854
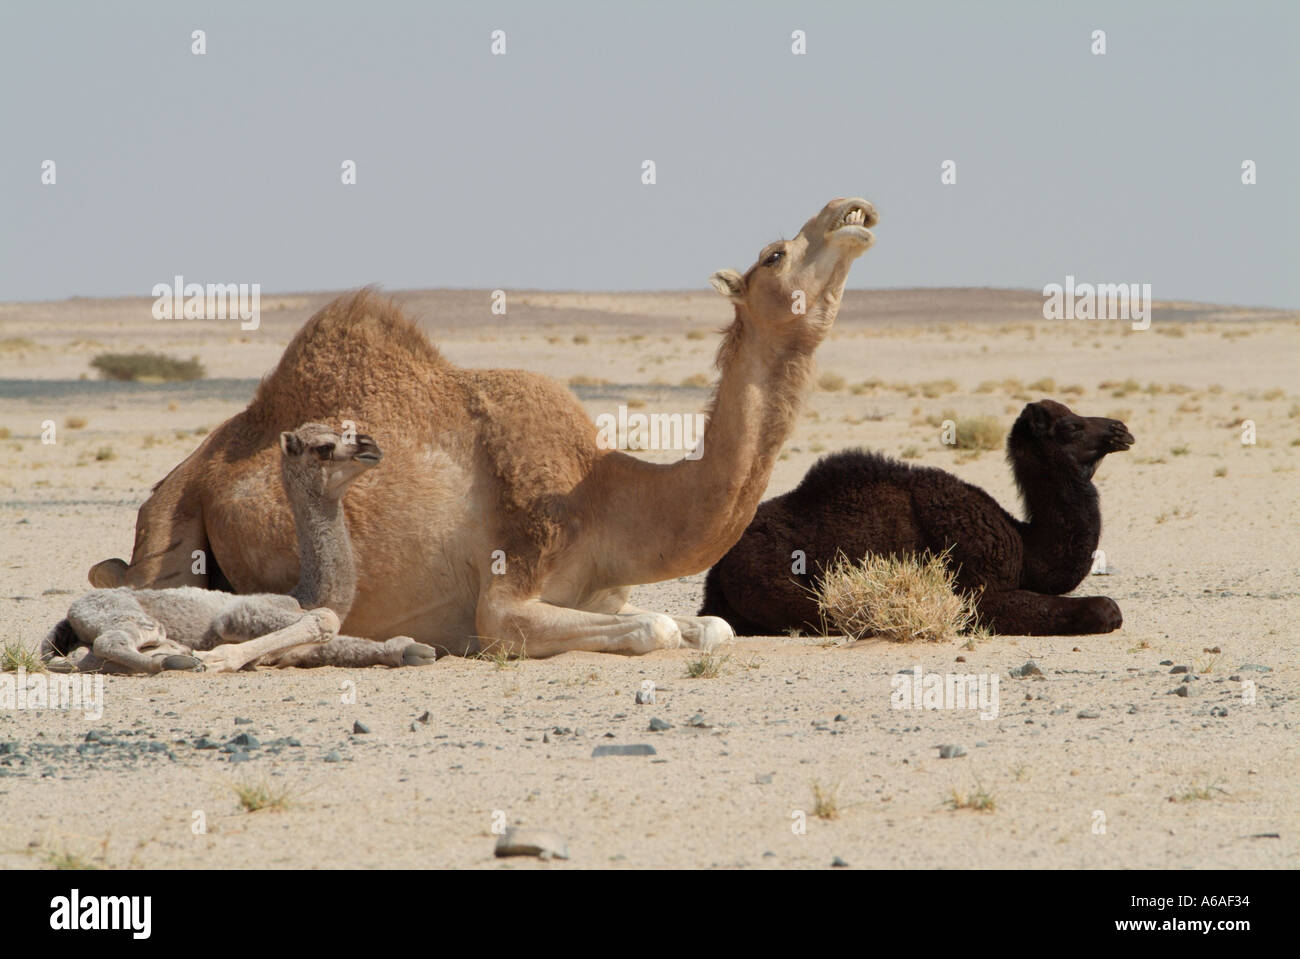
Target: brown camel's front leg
x=1019, y=612
x=536, y=629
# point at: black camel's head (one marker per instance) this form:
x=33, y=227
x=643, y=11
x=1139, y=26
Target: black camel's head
x=1049, y=436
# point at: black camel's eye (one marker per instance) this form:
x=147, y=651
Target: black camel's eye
x=325, y=451
x=773, y=258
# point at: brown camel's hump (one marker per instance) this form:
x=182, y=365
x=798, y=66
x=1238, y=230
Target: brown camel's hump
x=357, y=345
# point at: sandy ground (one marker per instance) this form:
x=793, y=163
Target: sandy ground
x=1199, y=530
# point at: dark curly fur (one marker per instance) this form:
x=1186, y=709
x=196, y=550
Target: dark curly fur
x=862, y=502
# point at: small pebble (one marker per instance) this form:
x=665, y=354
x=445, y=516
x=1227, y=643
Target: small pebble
x=951, y=752
x=658, y=725
x=1088, y=714
x=360, y=728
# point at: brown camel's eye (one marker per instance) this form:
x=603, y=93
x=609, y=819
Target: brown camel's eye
x=773, y=258
x=325, y=451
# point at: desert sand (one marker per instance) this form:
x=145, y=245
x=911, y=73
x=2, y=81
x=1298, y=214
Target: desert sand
x=1199, y=535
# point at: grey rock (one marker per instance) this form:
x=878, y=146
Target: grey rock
x=1166, y=662
x=424, y=717
x=658, y=725
x=1179, y=669
x=1255, y=668
x=841, y=718
x=241, y=721
x=240, y=757
x=518, y=841
x=950, y=751
x=360, y=728
x=645, y=697
x=697, y=721
x=334, y=757
x=246, y=740
x=1183, y=691
x=1219, y=711
x=1026, y=671
x=632, y=749
x=838, y=863
x=1088, y=714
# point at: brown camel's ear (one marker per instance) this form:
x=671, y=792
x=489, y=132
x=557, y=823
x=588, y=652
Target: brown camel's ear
x=290, y=444
x=730, y=284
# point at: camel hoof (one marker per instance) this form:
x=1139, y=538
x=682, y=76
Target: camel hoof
x=418, y=654
x=182, y=663
x=60, y=664
x=713, y=631
x=109, y=574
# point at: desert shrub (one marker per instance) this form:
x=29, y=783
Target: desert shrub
x=978, y=433
x=900, y=598
x=147, y=366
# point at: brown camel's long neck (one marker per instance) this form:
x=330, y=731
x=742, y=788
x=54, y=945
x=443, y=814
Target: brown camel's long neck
x=683, y=517
x=1061, y=532
x=327, y=574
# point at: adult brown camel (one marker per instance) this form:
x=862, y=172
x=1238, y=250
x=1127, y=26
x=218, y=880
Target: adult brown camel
x=498, y=520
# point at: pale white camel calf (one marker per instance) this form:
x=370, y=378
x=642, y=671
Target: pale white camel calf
x=150, y=630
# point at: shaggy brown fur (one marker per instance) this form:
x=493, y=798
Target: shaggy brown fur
x=864, y=503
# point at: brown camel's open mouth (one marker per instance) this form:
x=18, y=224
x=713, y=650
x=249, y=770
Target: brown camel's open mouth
x=853, y=222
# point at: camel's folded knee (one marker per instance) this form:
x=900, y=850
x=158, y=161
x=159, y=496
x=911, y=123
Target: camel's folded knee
x=327, y=624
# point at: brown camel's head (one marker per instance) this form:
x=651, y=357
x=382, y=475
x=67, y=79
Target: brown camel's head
x=1051, y=437
x=796, y=285
x=320, y=462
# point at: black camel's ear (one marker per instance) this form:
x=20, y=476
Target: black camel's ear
x=290, y=444
x=730, y=284
x=1040, y=420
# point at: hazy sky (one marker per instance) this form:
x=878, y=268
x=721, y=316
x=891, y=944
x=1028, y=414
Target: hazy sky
x=524, y=170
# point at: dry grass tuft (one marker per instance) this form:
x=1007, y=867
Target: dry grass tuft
x=16, y=655
x=903, y=599
x=255, y=796
x=825, y=804
x=706, y=665
x=979, y=433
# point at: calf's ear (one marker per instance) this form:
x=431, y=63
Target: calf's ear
x=290, y=444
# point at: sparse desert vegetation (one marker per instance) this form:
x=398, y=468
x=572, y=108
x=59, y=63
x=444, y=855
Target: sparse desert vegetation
x=147, y=367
